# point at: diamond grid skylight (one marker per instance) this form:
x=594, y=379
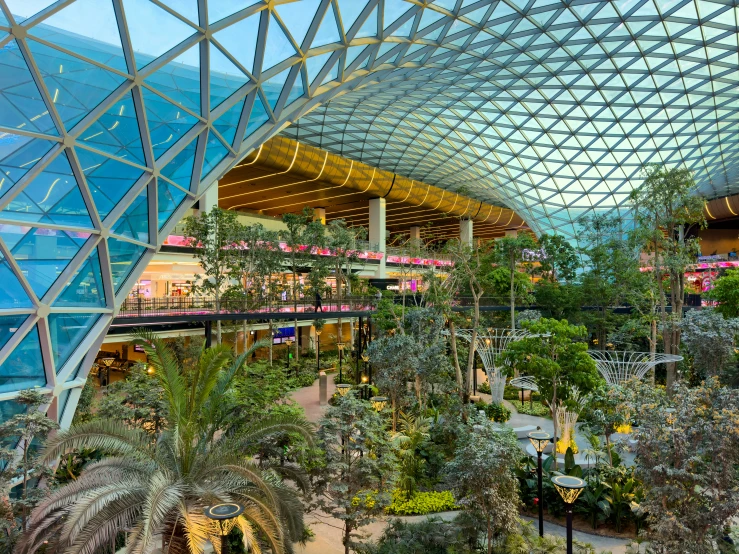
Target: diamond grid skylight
x=115, y=115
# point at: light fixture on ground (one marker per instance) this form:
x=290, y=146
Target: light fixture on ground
x=569, y=488
x=539, y=440
x=340, y=345
x=105, y=380
x=222, y=513
x=365, y=384
x=379, y=402
x=343, y=389
x=670, y=416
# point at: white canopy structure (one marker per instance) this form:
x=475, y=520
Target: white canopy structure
x=617, y=366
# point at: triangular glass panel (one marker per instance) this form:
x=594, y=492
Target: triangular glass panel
x=215, y=151
x=394, y=9
x=349, y=11
x=429, y=17
x=240, y=40
x=298, y=21
x=369, y=27
x=117, y=132
x=353, y=52
x=179, y=169
x=24, y=367
x=85, y=288
x=12, y=294
x=53, y=196
x=328, y=32
x=123, y=256
x=186, y=8
x=332, y=75
x=21, y=103
x=42, y=254
x=227, y=123
x=278, y=48
x=405, y=29
x=180, y=79
x=18, y=155
x=76, y=86
x=72, y=29
x=9, y=325
x=167, y=122
x=169, y=199
x=108, y=179
x=314, y=65
x=273, y=87
x=218, y=9
x=153, y=31
x=23, y=9
x=298, y=89
x=134, y=222
x=225, y=77
x=67, y=332
x=258, y=117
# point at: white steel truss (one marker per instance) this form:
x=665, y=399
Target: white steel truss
x=618, y=366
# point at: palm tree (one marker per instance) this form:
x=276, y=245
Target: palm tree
x=160, y=486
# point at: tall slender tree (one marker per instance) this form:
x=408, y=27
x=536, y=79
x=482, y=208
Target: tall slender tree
x=509, y=253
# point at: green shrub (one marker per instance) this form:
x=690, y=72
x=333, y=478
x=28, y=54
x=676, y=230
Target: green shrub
x=484, y=387
x=421, y=503
x=537, y=409
x=497, y=412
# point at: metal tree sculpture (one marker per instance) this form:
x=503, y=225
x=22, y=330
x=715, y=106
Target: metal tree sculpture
x=617, y=366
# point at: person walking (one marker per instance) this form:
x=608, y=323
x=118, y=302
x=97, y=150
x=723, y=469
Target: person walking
x=319, y=307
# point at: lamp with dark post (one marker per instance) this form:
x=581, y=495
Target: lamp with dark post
x=107, y=362
x=340, y=346
x=343, y=389
x=569, y=488
x=318, y=348
x=289, y=343
x=222, y=513
x=539, y=440
x=378, y=403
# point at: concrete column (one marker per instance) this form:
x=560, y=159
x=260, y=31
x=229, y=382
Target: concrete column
x=378, y=230
x=511, y=233
x=322, y=388
x=209, y=199
x=465, y=231
x=416, y=236
x=319, y=214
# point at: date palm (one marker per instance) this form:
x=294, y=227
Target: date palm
x=158, y=486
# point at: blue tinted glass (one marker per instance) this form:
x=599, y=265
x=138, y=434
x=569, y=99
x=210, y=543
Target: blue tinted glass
x=8, y=410
x=180, y=79
x=109, y=180
x=273, y=87
x=169, y=199
x=298, y=89
x=215, y=151
x=225, y=77
x=52, y=197
x=9, y=325
x=369, y=27
x=21, y=103
x=134, y=223
x=298, y=21
x=278, y=47
x=23, y=9
x=315, y=64
x=257, y=118
x=123, y=257
x=167, y=122
x=218, y=9
x=227, y=123
x=117, y=132
x=42, y=254
x=240, y=39
x=12, y=294
x=75, y=86
x=24, y=367
x=62, y=400
x=350, y=10
x=85, y=288
x=179, y=169
x=18, y=154
x=328, y=32
x=67, y=332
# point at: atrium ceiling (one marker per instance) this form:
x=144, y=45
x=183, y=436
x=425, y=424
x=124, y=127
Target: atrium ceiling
x=116, y=115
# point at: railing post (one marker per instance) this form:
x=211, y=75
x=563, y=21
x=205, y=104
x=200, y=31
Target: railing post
x=138, y=298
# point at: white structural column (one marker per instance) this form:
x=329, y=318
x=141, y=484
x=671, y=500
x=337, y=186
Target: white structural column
x=511, y=233
x=465, y=231
x=209, y=199
x=415, y=236
x=378, y=231
x=319, y=214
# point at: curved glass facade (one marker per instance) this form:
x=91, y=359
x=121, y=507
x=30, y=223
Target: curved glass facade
x=115, y=115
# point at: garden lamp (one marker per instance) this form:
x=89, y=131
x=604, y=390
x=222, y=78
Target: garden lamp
x=539, y=440
x=364, y=386
x=343, y=389
x=340, y=345
x=289, y=343
x=222, y=513
x=569, y=488
x=378, y=403
x=107, y=362
x=318, y=348
x=670, y=416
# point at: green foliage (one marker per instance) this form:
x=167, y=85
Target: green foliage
x=534, y=408
x=138, y=401
x=709, y=338
x=725, y=291
x=559, y=261
x=83, y=412
x=432, y=535
x=421, y=503
x=497, y=412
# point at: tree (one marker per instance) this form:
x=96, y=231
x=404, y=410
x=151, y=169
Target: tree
x=212, y=235
x=353, y=486
x=710, y=340
x=161, y=487
x=556, y=358
x=20, y=435
x=688, y=463
x=725, y=291
x=482, y=478
x=394, y=359
x=508, y=253
x=559, y=260
x=666, y=208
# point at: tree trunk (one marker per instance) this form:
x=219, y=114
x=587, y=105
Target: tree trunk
x=271, y=343
x=219, y=333
x=513, y=293
x=455, y=359
x=552, y=410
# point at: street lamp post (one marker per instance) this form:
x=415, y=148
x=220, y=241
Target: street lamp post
x=340, y=346
x=364, y=392
x=343, y=389
x=539, y=440
x=107, y=362
x=378, y=403
x=569, y=488
x=222, y=513
x=318, y=350
x=289, y=343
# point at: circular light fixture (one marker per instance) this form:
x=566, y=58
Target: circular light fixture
x=539, y=440
x=343, y=389
x=568, y=487
x=379, y=402
x=227, y=510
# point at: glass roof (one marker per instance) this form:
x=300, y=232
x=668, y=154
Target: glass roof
x=115, y=115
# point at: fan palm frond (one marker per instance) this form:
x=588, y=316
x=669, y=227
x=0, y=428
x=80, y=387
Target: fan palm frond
x=113, y=437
